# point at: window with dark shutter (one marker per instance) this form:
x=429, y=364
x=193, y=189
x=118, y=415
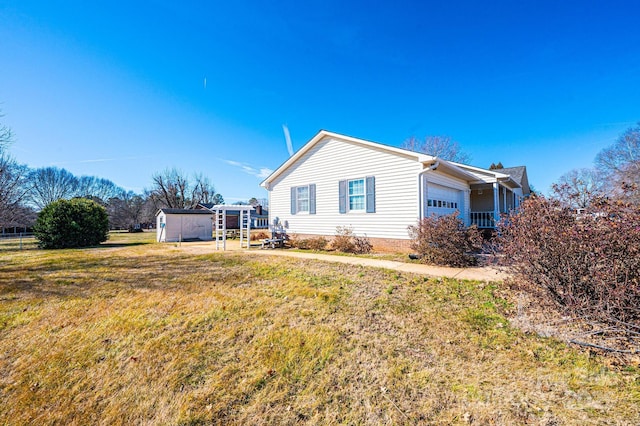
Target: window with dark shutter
x=293, y=200
x=371, y=194
x=357, y=195
x=312, y=198
x=303, y=199
x=342, y=196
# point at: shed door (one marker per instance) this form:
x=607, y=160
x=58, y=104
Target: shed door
x=441, y=200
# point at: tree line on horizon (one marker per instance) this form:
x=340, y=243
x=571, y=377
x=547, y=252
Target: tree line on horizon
x=25, y=191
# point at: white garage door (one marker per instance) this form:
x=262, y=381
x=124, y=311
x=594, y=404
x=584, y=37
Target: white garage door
x=441, y=200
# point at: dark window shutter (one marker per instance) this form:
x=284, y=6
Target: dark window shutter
x=293, y=200
x=312, y=198
x=371, y=194
x=342, y=196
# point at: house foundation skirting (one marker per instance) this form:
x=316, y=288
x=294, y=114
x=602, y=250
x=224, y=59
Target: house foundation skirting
x=380, y=245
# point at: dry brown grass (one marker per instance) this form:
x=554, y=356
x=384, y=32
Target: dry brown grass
x=145, y=334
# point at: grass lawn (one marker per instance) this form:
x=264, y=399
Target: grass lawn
x=135, y=332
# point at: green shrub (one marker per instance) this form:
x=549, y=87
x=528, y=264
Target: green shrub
x=444, y=240
x=72, y=223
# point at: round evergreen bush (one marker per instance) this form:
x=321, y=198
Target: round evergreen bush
x=72, y=223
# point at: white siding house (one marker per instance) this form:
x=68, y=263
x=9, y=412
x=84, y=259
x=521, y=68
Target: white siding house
x=378, y=190
x=174, y=225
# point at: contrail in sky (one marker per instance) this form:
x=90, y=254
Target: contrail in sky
x=287, y=138
x=101, y=160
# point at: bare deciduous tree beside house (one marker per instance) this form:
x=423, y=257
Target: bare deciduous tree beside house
x=438, y=146
x=579, y=188
x=620, y=162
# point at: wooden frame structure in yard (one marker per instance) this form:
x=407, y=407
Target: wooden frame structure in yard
x=220, y=224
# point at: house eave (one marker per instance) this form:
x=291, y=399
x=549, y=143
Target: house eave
x=451, y=168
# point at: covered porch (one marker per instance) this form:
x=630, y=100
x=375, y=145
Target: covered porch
x=489, y=201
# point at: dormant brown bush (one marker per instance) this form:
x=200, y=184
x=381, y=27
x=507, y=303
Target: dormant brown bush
x=347, y=242
x=588, y=263
x=444, y=240
x=260, y=235
x=315, y=243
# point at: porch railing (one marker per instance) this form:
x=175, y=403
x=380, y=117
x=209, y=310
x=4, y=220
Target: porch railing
x=483, y=219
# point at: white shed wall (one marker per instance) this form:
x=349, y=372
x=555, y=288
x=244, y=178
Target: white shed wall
x=189, y=225
x=328, y=162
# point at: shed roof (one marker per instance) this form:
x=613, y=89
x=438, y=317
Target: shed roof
x=183, y=211
x=227, y=207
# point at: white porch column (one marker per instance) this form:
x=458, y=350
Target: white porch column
x=496, y=202
x=467, y=207
x=504, y=198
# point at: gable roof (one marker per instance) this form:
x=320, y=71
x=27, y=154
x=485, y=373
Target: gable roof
x=425, y=159
x=514, y=177
x=491, y=175
x=519, y=174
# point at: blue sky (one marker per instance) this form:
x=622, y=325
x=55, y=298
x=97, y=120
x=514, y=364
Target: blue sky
x=118, y=90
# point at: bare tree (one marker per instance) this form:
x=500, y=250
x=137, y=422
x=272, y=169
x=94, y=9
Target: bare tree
x=13, y=190
x=578, y=188
x=6, y=136
x=13, y=186
x=621, y=163
x=624, y=152
x=49, y=184
x=127, y=210
x=264, y=202
x=174, y=189
x=203, y=190
x=438, y=146
x=170, y=189
x=97, y=189
x=217, y=199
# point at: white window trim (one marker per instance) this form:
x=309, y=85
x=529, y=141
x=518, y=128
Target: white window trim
x=298, y=210
x=364, y=196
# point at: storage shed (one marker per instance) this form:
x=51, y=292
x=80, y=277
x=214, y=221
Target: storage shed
x=175, y=225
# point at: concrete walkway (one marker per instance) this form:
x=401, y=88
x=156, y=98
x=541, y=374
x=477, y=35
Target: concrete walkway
x=476, y=273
